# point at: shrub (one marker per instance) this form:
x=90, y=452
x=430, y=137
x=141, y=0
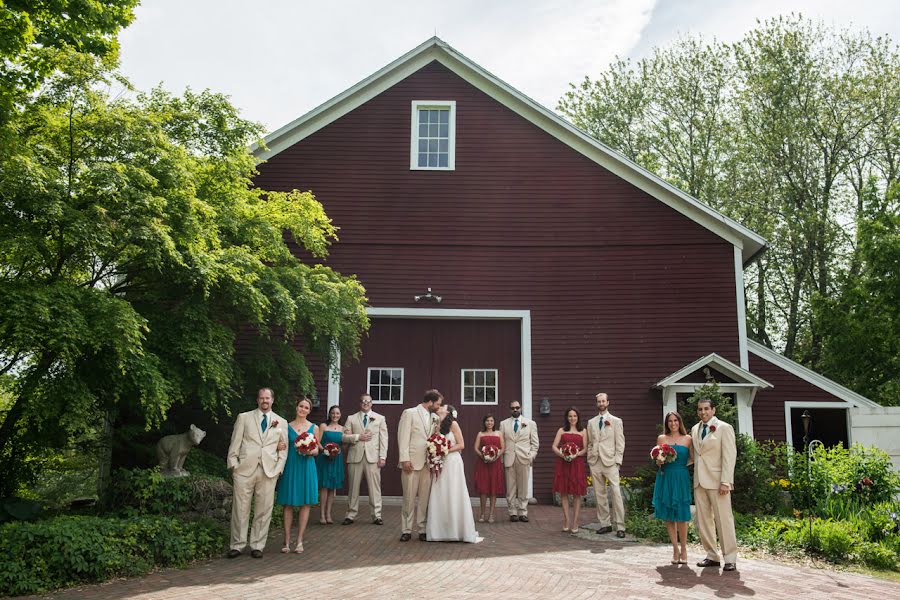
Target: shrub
x=876, y=555
x=70, y=550
x=725, y=410
x=146, y=491
x=201, y=462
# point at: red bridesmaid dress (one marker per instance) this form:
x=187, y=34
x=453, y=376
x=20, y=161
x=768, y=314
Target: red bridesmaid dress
x=489, y=478
x=570, y=477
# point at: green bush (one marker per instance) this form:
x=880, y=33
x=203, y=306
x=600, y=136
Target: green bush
x=755, y=491
x=66, y=551
x=877, y=556
x=861, y=475
x=146, y=491
x=201, y=462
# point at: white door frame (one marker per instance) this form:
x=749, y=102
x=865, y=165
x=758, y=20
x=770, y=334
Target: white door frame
x=788, y=425
x=522, y=316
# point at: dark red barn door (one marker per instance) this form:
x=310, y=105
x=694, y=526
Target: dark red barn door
x=480, y=359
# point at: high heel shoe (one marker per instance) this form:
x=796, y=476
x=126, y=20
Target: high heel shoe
x=299, y=548
x=491, y=518
x=481, y=518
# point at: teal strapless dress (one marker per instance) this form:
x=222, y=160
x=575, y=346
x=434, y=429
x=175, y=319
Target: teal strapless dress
x=299, y=484
x=672, y=490
x=331, y=470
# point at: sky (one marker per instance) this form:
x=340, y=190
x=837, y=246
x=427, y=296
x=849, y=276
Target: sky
x=278, y=59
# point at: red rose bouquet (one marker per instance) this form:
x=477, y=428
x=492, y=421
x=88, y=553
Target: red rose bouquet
x=331, y=449
x=663, y=453
x=569, y=450
x=490, y=453
x=305, y=443
x=437, y=448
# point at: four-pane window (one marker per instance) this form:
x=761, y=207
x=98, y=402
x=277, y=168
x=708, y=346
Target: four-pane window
x=386, y=385
x=479, y=386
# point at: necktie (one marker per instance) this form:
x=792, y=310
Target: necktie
x=365, y=421
x=516, y=426
x=601, y=422
x=265, y=423
x=703, y=435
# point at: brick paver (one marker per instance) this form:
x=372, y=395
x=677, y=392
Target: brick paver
x=526, y=559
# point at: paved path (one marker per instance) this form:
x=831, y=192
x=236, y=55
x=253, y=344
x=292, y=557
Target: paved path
x=532, y=560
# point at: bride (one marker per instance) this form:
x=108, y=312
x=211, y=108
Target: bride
x=450, y=517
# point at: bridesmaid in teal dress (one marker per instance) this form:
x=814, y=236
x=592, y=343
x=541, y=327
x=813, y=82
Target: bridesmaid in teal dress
x=299, y=485
x=330, y=470
x=672, y=490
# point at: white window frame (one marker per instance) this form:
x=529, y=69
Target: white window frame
x=462, y=387
x=414, y=134
x=369, y=384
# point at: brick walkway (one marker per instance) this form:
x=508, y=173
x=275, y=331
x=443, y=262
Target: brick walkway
x=530, y=560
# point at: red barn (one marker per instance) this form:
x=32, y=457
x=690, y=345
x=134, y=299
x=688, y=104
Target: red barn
x=508, y=255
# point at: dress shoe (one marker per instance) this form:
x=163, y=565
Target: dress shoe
x=233, y=553
x=423, y=537
x=376, y=522
x=347, y=521
x=729, y=567
x=405, y=537
x=256, y=553
x=523, y=518
x=620, y=534
x=603, y=530
x=708, y=563
x=513, y=518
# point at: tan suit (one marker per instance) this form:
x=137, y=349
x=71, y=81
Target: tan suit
x=605, y=450
x=415, y=427
x=255, y=465
x=521, y=446
x=362, y=459
x=714, y=458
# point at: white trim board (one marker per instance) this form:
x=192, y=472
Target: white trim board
x=788, y=424
x=435, y=49
x=720, y=364
x=820, y=381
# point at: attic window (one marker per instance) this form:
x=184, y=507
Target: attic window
x=433, y=145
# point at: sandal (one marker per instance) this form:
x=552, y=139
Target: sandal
x=575, y=530
x=286, y=549
x=491, y=519
x=299, y=548
x=481, y=519
x=565, y=530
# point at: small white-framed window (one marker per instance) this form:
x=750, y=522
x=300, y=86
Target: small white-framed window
x=385, y=385
x=433, y=143
x=479, y=386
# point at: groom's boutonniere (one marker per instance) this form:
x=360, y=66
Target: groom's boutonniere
x=606, y=423
x=371, y=419
x=275, y=423
x=712, y=428
x=524, y=425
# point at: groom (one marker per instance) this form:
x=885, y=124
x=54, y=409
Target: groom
x=715, y=453
x=416, y=426
x=256, y=458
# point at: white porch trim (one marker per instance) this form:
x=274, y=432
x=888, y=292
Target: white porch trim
x=788, y=424
x=741, y=307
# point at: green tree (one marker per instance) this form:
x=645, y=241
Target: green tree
x=135, y=251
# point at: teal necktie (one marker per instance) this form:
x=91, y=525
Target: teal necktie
x=601, y=423
x=516, y=426
x=265, y=423
x=703, y=435
x=365, y=421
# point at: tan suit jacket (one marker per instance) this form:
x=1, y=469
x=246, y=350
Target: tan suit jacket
x=250, y=446
x=714, y=457
x=521, y=445
x=373, y=450
x=605, y=446
x=415, y=427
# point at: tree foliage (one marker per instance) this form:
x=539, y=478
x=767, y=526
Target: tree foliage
x=793, y=131
x=135, y=251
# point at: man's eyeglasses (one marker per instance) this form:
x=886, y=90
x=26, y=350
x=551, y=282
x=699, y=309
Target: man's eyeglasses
x=515, y=408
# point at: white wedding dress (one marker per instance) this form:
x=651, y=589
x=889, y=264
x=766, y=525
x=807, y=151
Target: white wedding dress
x=450, y=517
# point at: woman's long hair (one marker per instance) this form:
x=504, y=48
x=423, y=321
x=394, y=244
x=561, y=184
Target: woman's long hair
x=328, y=418
x=484, y=422
x=681, y=428
x=448, y=420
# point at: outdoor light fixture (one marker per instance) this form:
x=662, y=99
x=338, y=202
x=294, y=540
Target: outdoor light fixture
x=545, y=406
x=807, y=418
x=428, y=297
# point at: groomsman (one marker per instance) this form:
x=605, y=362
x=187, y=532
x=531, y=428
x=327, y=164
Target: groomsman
x=415, y=427
x=520, y=437
x=715, y=453
x=256, y=457
x=367, y=433
x=606, y=447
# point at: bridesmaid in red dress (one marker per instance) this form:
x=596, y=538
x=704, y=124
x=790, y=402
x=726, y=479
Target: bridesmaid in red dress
x=489, y=477
x=570, y=477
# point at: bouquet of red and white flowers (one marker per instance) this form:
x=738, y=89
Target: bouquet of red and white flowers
x=331, y=449
x=490, y=453
x=569, y=450
x=437, y=447
x=663, y=453
x=305, y=442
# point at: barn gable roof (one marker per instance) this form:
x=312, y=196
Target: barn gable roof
x=435, y=49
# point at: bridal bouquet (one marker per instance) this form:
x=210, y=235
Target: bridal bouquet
x=331, y=449
x=663, y=453
x=490, y=453
x=569, y=450
x=437, y=447
x=305, y=442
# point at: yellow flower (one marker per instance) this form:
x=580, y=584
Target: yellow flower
x=590, y=480
x=797, y=513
